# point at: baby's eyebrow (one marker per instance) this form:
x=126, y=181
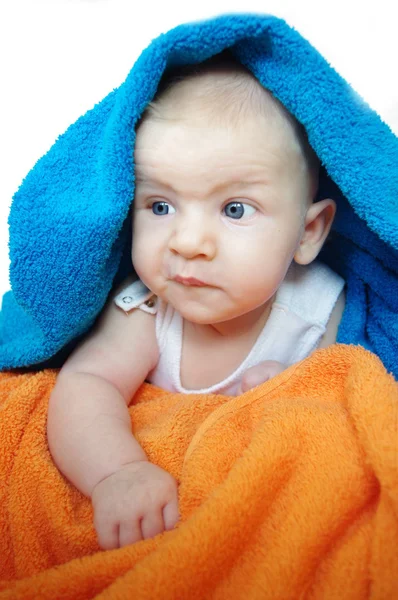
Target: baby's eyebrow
x=145, y=180
x=141, y=178
x=229, y=183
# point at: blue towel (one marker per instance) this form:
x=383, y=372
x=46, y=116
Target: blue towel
x=69, y=221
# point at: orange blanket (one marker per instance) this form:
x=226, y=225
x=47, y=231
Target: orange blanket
x=288, y=491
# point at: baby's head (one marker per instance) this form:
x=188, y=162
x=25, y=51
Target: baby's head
x=225, y=183
x=223, y=92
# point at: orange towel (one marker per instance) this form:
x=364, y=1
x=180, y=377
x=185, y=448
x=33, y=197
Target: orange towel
x=288, y=491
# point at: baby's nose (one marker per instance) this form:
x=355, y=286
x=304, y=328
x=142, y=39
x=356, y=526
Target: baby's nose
x=191, y=240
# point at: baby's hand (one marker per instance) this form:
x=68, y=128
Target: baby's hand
x=259, y=374
x=133, y=504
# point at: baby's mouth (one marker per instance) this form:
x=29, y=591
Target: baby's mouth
x=190, y=281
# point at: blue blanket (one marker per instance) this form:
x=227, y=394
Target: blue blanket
x=69, y=221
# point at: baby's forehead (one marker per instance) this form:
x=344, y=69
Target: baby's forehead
x=222, y=94
x=228, y=95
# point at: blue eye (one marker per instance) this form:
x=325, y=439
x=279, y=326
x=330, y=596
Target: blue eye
x=236, y=210
x=162, y=208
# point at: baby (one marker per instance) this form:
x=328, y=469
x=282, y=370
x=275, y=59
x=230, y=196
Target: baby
x=225, y=232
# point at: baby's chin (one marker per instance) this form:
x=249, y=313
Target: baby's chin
x=196, y=313
x=201, y=314
x=202, y=306
x=195, y=310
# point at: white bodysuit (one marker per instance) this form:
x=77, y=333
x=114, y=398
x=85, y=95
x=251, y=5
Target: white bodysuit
x=297, y=321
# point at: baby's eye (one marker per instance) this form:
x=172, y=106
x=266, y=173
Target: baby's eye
x=162, y=208
x=237, y=210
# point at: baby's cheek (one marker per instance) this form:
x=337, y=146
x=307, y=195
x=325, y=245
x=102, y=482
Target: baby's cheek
x=145, y=261
x=140, y=261
x=139, y=254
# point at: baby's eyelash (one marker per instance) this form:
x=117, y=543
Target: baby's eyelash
x=161, y=208
x=235, y=210
x=238, y=210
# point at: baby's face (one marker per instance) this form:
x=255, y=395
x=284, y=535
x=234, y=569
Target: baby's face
x=218, y=215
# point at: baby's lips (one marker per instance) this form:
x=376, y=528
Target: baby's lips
x=191, y=281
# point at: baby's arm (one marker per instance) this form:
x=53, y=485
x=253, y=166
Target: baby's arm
x=330, y=335
x=89, y=429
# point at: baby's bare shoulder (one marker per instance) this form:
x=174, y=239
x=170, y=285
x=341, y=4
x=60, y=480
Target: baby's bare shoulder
x=121, y=348
x=114, y=320
x=114, y=324
x=330, y=335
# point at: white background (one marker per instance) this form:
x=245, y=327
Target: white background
x=60, y=57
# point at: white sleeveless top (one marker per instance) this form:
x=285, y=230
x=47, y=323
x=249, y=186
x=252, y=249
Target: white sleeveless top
x=294, y=328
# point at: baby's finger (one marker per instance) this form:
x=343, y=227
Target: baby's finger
x=129, y=532
x=107, y=535
x=253, y=377
x=239, y=390
x=170, y=515
x=152, y=524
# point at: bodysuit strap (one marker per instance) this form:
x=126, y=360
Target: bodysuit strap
x=136, y=295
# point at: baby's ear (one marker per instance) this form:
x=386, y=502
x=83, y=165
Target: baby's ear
x=318, y=221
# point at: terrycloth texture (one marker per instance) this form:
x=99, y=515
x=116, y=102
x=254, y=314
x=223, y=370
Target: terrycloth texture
x=288, y=491
x=69, y=225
